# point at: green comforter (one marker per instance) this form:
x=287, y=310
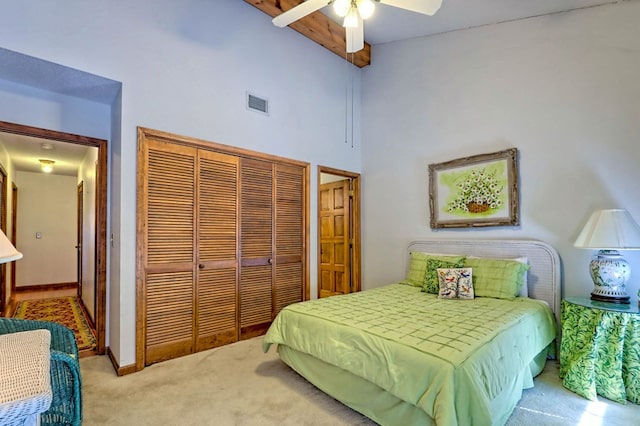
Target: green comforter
x=458, y=360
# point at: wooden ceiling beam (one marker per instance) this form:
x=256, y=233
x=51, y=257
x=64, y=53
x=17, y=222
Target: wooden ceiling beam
x=317, y=27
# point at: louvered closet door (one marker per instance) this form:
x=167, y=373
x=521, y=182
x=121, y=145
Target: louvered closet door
x=217, y=250
x=256, y=247
x=289, y=236
x=169, y=259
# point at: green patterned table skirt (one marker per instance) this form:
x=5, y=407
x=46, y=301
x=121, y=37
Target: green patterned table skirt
x=600, y=353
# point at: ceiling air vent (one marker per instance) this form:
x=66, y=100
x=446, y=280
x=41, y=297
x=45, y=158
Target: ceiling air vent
x=258, y=104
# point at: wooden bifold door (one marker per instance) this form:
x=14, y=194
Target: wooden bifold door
x=221, y=244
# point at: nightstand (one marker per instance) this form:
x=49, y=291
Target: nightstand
x=600, y=349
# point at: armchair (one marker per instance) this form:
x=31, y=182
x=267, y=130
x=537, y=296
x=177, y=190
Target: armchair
x=66, y=406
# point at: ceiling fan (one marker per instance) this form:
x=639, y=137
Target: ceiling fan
x=354, y=13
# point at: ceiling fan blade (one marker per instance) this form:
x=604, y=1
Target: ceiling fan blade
x=355, y=37
x=300, y=11
x=426, y=7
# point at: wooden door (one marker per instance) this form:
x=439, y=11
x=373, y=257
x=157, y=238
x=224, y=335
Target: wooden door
x=79, y=233
x=272, y=242
x=289, y=236
x=169, y=258
x=334, y=216
x=256, y=247
x=217, y=243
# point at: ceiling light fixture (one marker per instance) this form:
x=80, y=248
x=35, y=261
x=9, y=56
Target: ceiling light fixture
x=351, y=20
x=341, y=7
x=46, y=165
x=350, y=9
x=353, y=12
x=366, y=8
x=344, y=8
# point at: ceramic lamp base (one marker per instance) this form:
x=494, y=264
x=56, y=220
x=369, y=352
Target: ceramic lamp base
x=611, y=299
x=610, y=273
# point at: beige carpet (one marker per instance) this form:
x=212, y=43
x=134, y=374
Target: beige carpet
x=240, y=385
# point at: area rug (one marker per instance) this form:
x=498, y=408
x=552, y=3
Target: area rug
x=63, y=310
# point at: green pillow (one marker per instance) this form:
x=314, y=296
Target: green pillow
x=418, y=265
x=497, y=278
x=431, y=282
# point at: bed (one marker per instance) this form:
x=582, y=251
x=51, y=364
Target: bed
x=400, y=355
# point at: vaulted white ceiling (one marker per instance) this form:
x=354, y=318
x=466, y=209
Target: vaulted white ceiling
x=391, y=23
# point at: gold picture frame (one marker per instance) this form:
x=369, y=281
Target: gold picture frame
x=476, y=191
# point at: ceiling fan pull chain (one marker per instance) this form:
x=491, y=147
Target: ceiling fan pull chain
x=346, y=97
x=352, y=117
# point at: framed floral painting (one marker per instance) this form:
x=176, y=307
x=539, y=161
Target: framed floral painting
x=481, y=190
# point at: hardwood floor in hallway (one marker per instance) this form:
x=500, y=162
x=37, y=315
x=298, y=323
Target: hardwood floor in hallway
x=44, y=294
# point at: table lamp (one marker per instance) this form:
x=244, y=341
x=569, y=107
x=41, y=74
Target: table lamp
x=609, y=231
x=8, y=252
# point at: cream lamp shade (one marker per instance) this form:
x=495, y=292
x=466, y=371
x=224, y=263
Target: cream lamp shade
x=609, y=231
x=8, y=252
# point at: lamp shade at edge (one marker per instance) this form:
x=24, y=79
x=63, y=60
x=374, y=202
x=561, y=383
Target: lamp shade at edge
x=8, y=252
x=612, y=229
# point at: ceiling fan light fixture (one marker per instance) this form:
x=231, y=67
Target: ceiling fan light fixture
x=351, y=20
x=341, y=7
x=366, y=8
x=353, y=12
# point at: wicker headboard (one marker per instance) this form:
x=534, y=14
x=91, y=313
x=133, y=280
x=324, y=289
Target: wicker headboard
x=543, y=276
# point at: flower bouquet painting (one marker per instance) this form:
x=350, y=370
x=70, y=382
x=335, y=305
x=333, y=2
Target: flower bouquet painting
x=481, y=190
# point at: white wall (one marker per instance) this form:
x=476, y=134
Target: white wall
x=35, y=107
x=185, y=68
x=563, y=89
x=46, y=205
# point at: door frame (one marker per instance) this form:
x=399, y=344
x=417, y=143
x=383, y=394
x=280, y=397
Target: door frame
x=3, y=226
x=80, y=233
x=101, y=212
x=14, y=230
x=354, y=221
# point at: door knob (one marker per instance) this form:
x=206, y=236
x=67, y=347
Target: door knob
x=201, y=266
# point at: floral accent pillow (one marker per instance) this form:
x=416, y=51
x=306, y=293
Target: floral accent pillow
x=431, y=283
x=455, y=283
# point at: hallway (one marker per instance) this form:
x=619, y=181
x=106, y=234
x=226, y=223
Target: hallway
x=33, y=295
